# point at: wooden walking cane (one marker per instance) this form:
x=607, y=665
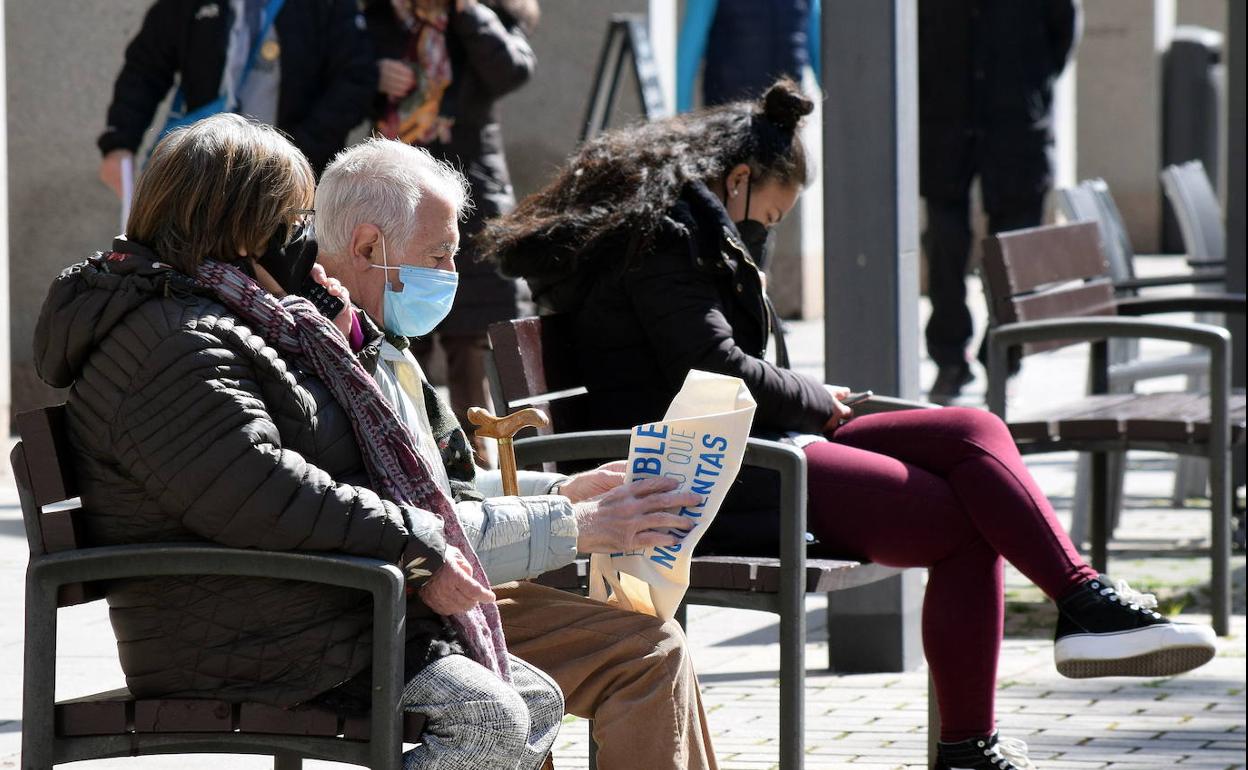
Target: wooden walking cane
x=502, y=429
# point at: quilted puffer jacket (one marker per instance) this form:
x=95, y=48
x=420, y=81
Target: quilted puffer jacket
x=188, y=427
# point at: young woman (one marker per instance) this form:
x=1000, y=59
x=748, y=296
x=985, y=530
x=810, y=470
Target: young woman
x=651, y=237
x=202, y=408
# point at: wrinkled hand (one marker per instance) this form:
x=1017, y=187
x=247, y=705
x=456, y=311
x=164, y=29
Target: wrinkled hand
x=396, y=79
x=332, y=285
x=599, y=481
x=110, y=169
x=633, y=516
x=453, y=589
x=840, y=413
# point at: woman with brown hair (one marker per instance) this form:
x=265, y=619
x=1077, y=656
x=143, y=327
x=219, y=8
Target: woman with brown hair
x=203, y=407
x=651, y=238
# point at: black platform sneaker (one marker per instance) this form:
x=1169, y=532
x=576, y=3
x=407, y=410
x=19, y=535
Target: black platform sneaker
x=1107, y=629
x=987, y=753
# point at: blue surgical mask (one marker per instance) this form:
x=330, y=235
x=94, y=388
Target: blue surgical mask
x=425, y=299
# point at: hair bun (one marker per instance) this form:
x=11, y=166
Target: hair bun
x=785, y=105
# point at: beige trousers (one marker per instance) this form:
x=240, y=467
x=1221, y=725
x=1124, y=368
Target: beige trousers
x=629, y=673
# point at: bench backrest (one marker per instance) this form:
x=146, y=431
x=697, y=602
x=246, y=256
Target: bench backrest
x=1088, y=203
x=535, y=364
x=1057, y=271
x=48, y=489
x=1198, y=210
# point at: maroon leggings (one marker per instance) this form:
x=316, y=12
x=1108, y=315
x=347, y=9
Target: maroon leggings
x=944, y=489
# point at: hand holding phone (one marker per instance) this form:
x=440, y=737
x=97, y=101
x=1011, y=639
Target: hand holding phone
x=856, y=398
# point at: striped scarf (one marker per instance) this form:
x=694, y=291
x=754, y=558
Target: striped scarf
x=417, y=118
x=398, y=472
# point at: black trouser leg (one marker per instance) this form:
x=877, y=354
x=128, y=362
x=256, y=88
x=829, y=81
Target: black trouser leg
x=947, y=242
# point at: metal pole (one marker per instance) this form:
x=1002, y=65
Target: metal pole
x=1235, y=199
x=871, y=270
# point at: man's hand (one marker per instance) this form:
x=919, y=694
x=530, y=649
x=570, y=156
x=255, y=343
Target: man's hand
x=841, y=413
x=110, y=169
x=453, y=589
x=633, y=516
x=336, y=289
x=599, y=481
x=396, y=78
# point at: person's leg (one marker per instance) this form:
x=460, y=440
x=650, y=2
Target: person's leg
x=630, y=673
x=872, y=506
x=465, y=374
x=973, y=451
x=479, y=722
x=1103, y=629
x=947, y=242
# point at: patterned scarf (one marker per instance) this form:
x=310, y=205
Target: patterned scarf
x=416, y=118
x=294, y=327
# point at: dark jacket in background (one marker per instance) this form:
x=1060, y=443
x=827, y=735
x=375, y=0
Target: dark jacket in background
x=694, y=301
x=750, y=45
x=187, y=428
x=490, y=58
x=328, y=75
x=986, y=74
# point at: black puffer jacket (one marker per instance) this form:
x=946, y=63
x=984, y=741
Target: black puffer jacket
x=328, y=73
x=694, y=301
x=189, y=428
x=490, y=58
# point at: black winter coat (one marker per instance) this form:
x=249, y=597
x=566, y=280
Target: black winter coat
x=986, y=74
x=189, y=428
x=693, y=301
x=490, y=58
x=328, y=75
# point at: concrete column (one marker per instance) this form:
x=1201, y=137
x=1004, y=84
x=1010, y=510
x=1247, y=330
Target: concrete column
x=1119, y=106
x=871, y=271
x=6, y=305
x=1236, y=199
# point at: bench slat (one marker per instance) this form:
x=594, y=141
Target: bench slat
x=117, y=712
x=183, y=715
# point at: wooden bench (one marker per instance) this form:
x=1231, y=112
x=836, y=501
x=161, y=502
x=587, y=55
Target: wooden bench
x=63, y=572
x=532, y=363
x=1049, y=287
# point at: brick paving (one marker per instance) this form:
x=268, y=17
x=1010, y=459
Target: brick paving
x=860, y=721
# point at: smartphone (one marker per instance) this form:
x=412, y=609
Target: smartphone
x=328, y=305
x=856, y=398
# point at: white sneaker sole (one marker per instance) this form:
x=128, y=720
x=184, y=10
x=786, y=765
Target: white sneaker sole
x=1163, y=650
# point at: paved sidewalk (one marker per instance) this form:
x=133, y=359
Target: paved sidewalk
x=868, y=721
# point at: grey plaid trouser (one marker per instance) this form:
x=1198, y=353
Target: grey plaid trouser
x=476, y=721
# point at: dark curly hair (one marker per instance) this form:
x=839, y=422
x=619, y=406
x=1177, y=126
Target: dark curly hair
x=623, y=182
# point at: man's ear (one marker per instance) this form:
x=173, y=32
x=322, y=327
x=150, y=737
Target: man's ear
x=365, y=247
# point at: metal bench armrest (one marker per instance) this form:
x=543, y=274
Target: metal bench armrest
x=1215, y=338
x=384, y=581
x=785, y=459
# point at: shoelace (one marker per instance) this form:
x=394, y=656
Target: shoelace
x=1131, y=598
x=1010, y=754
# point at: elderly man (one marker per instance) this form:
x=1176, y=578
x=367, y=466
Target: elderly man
x=386, y=225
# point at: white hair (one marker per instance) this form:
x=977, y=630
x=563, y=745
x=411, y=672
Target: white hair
x=381, y=182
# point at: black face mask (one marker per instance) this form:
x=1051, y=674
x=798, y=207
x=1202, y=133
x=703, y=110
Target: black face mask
x=290, y=255
x=754, y=234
